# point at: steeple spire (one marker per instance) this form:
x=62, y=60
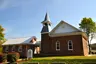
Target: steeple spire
x=46, y=17
x=46, y=24
x=46, y=20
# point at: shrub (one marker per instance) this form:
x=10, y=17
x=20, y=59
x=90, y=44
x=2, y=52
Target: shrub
x=13, y=57
x=2, y=57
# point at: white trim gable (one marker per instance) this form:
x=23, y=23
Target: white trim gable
x=63, y=28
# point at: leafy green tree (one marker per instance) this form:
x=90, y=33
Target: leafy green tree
x=89, y=27
x=2, y=39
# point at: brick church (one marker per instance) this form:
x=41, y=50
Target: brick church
x=64, y=39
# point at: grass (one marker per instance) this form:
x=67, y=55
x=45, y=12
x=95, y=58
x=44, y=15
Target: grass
x=66, y=59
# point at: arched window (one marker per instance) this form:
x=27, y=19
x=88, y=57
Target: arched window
x=57, y=46
x=6, y=48
x=13, y=48
x=70, y=45
x=20, y=48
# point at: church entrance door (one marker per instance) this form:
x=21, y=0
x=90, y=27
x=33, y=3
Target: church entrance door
x=29, y=53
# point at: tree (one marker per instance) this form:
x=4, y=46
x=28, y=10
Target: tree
x=2, y=39
x=89, y=27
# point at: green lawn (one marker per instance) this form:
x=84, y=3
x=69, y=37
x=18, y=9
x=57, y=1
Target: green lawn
x=67, y=59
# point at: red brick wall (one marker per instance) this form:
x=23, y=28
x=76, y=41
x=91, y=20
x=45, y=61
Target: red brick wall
x=48, y=45
x=24, y=50
x=85, y=46
x=45, y=43
x=16, y=50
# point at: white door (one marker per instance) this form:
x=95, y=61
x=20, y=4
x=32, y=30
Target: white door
x=29, y=53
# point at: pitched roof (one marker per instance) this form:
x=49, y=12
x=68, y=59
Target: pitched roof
x=65, y=23
x=61, y=30
x=14, y=41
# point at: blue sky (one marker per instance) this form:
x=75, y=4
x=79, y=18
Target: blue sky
x=22, y=18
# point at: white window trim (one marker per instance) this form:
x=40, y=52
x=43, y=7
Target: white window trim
x=6, y=48
x=20, y=47
x=71, y=43
x=13, y=48
x=56, y=46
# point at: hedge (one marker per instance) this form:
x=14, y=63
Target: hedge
x=2, y=57
x=13, y=57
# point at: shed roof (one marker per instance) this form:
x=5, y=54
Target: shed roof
x=25, y=40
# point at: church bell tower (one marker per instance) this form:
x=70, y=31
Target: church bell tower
x=46, y=25
x=45, y=38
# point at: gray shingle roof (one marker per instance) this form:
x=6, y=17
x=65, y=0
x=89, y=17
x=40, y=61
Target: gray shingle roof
x=25, y=40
